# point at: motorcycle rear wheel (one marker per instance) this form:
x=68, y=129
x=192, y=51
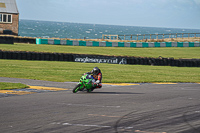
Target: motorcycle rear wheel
x=76, y=88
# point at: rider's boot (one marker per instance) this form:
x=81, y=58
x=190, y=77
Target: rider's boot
x=99, y=85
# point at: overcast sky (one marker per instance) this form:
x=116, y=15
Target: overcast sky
x=148, y=13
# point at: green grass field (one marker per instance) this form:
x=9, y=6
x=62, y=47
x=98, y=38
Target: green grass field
x=112, y=73
x=9, y=86
x=190, y=52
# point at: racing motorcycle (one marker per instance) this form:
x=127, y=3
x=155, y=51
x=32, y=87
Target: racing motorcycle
x=85, y=83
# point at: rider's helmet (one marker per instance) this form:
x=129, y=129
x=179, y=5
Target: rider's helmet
x=96, y=70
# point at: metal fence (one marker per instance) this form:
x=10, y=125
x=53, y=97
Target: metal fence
x=150, y=36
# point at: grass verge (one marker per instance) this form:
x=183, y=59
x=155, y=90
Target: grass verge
x=112, y=73
x=167, y=52
x=10, y=86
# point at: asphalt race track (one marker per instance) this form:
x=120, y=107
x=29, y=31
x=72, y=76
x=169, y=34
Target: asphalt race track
x=141, y=108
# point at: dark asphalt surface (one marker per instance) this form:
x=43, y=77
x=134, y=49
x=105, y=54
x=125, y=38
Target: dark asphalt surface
x=144, y=108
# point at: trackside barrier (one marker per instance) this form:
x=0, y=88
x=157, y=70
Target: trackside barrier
x=23, y=55
x=10, y=39
x=24, y=40
x=6, y=40
x=116, y=44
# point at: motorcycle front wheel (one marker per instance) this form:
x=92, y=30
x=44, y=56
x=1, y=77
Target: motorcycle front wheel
x=76, y=88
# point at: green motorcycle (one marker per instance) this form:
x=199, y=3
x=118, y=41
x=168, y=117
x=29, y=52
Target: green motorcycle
x=85, y=83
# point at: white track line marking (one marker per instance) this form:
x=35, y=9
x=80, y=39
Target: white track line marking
x=87, y=105
x=101, y=126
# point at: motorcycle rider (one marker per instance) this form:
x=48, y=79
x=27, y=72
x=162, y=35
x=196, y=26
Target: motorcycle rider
x=97, y=75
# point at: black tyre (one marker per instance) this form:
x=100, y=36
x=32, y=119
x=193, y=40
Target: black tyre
x=76, y=88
